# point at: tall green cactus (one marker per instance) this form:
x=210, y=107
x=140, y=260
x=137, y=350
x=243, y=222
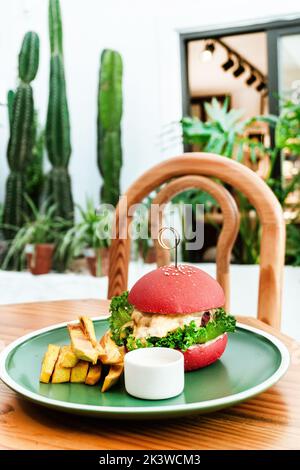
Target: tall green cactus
x=58, y=183
x=34, y=169
x=21, y=116
x=10, y=105
x=109, y=125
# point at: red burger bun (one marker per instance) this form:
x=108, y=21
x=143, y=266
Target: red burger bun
x=202, y=355
x=183, y=289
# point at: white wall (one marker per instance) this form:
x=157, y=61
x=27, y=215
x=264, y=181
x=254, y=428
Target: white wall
x=146, y=34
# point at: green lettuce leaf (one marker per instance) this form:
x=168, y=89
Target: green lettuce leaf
x=184, y=338
x=120, y=310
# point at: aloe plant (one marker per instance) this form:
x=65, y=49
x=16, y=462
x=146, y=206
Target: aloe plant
x=21, y=140
x=58, y=182
x=109, y=125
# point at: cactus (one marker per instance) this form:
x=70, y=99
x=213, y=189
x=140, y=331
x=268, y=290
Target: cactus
x=58, y=183
x=19, y=151
x=109, y=125
x=34, y=170
x=10, y=105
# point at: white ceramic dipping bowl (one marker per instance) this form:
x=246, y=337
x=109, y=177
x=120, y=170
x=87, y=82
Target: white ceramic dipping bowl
x=154, y=373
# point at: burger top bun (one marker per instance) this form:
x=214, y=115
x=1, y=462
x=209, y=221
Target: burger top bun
x=185, y=289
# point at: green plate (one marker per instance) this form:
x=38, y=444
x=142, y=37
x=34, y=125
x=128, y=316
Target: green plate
x=252, y=362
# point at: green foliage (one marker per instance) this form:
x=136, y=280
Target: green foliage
x=34, y=177
x=57, y=135
x=248, y=247
x=58, y=126
x=34, y=170
x=55, y=27
x=10, y=103
x=223, y=134
x=93, y=230
x=120, y=310
x=110, y=107
x=293, y=244
x=189, y=335
x=41, y=226
x=21, y=141
x=140, y=233
x=58, y=189
x=21, y=136
x=15, y=206
x=29, y=57
x=194, y=197
x=288, y=128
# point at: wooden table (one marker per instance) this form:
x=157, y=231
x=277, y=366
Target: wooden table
x=269, y=421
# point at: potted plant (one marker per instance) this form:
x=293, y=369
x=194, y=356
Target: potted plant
x=37, y=238
x=90, y=236
x=143, y=244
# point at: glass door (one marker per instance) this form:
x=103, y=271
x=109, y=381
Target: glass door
x=284, y=81
x=289, y=66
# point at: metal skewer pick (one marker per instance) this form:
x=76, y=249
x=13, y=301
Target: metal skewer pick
x=176, y=241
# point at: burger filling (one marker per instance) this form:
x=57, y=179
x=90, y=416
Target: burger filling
x=146, y=325
x=136, y=329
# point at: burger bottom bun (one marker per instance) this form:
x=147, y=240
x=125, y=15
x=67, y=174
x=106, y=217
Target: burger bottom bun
x=203, y=355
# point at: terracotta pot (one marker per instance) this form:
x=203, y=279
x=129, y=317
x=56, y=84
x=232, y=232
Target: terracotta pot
x=39, y=258
x=97, y=261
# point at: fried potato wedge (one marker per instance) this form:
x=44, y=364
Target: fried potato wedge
x=94, y=374
x=111, y=352
x=112, y=377
x=79, y=372
x=61, y=374
x=49, y=362
x=81, y=345
x=68, y=357
x=122, y=351
x=88, y=329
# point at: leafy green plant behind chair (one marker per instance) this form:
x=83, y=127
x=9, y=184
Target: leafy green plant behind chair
x=110, y=109
x=223, y=134
x=92, y=231
x=288, y=128
x=58, y=181
x=142, y=243
x=293, y=244
x=21, y=141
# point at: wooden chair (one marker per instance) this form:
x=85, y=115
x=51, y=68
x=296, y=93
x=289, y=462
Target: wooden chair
x=191, y=170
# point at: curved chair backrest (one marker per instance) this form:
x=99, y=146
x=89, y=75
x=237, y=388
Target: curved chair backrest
x=229, y=230
x=239, y=177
